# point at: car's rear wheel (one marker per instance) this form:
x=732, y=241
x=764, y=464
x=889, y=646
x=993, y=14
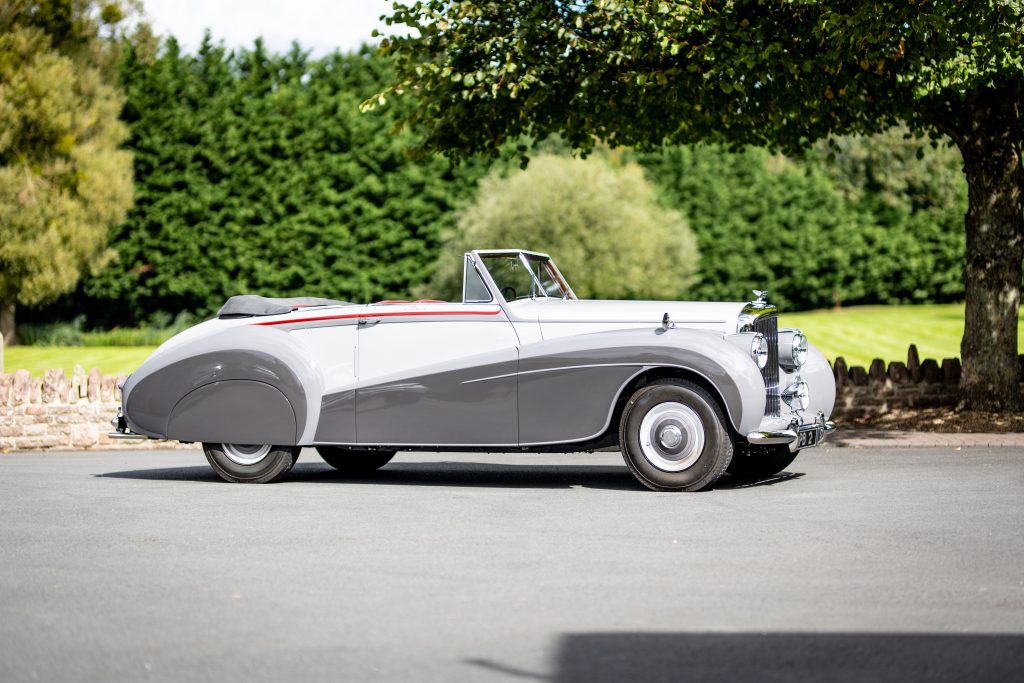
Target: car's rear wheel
x=250, y=463
x=354, y=460
x=674, y=437
x=753, y=462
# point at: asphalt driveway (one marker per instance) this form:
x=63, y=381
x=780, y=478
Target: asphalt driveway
x=857, y=564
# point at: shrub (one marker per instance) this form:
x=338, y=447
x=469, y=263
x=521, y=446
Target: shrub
x=602, y=224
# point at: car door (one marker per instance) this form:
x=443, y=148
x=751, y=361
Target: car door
x=436, y=374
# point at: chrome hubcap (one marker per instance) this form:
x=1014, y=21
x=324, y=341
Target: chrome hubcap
x=672, y=436
x=245, y=454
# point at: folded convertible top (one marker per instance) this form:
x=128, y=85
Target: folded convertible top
x=245, y=305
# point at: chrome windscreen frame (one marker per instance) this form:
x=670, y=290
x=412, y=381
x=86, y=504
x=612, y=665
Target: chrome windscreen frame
x=479, y=255
x=472, y=266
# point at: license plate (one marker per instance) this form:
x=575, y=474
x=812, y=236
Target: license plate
x=809, y=438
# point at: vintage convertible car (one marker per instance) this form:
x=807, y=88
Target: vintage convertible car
x=686, y=390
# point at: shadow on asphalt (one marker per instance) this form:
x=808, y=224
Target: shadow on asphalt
x=425, y=474
x=731, y=482
x=204, y=474
x=483, y=475
x=761, y=658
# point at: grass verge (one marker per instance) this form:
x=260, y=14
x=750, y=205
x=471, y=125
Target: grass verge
x=111, y=360
x=859, y=334
x=863, y=333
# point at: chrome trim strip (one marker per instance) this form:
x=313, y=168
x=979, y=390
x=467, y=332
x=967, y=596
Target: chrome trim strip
x=561, y=367
x=508, y=252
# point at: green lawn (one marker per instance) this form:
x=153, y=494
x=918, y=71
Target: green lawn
x=859, y=334
x=863, y=333
x=111, y=360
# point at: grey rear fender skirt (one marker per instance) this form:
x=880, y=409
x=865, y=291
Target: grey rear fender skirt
x=234, y=411
x=247, y=352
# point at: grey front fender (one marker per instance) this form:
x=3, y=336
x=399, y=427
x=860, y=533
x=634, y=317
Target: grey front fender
x=568, y=386
x=196, y=390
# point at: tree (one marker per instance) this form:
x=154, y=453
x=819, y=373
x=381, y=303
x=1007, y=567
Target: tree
x=882, y=225
x=255, y=172
x=752, y=212
x=916, y=197
x=892, y=171
x=604, y=225
x=782, y=74
x=64, y=181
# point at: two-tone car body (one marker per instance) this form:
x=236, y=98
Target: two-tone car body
x=685, y=389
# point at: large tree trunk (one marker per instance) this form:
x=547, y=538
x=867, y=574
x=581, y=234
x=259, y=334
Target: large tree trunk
x=7, y=322
x=995, y=248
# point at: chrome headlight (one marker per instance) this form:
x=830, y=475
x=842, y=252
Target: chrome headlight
x=759, y=350
x=797, y=396
x=792, y=349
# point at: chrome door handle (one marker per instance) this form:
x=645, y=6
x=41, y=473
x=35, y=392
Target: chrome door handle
x=371, y=321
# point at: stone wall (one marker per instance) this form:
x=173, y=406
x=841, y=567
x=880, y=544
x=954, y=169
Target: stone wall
x=880, y=389
x=56, y=412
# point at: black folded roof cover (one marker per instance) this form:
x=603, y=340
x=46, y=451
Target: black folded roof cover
x=245, y=305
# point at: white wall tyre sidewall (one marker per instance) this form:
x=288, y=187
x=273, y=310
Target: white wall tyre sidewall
x=246, y=454
x=250, y=464
x=652, y=452
x=672, y=436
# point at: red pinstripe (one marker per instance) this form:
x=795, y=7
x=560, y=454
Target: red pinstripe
x=388, y=314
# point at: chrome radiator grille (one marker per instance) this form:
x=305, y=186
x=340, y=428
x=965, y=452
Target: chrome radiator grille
x=768, y=325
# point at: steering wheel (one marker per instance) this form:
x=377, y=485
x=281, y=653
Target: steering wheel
x=509, y=293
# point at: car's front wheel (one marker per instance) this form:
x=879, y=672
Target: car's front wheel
x=250, y=463
x=674, y=437
x=354, y=460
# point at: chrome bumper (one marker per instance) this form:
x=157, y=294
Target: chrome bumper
x=121, y=430
x=796, y=435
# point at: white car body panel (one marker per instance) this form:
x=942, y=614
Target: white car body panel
x=334, y=351
x=397, y=344
x=567, y=317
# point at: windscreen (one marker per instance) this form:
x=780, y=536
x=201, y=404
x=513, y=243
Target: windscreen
x=526, y=276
